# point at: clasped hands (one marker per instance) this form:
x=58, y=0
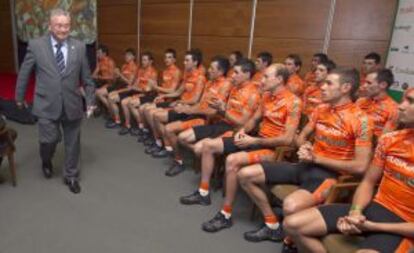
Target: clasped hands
x=354, y=224
x=243, y=140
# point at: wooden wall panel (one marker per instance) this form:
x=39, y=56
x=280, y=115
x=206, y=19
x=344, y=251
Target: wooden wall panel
x=212, y=46
x=157, y=44
x=165, y=18
x=280, y=48
x=117, y=25
x=6, y=42
x=350, y=53
x=119, y=19
x=361, y=27
x=227, y=19
x=292, y=19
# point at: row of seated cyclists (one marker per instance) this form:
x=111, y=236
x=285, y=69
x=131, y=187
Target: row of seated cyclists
x=341, y=122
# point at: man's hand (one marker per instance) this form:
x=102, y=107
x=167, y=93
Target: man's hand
x=89, y=111
x=159, y=99
x=305, y=152
x=347, y=228
x=217, y=104
x=245, y=140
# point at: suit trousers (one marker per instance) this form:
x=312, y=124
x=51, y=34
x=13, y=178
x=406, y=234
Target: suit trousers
x=50, y=133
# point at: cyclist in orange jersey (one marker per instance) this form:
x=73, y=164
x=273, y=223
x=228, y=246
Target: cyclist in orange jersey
x=295, y=84
x=310, y=76
x=341, y=145
x=263, y=60
x=233, y=58
x=371, y=63
x=384, y=217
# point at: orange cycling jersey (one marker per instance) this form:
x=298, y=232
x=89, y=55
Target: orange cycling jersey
x=311, y=98
x=310, y=79
x=280, y=111
x=395, y=156
x=143, y=76
x=245, y=97
x=171, y=77
x=338, y=130
x=193, y=84
x=383, y=112
x=257, y=78
x=295, y=84
x=218, y=88
x=106, y=68
x=129, y=69
x=230, y=73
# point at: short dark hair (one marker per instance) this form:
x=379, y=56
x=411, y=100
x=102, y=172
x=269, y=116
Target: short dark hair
x=131, y=51
x=296, y=59
x=283, y=72
x=103, y=48
x=148, y=54
x=348, y=75
x=373, y=56
x=266, y=57
x=385, y=75
x=238, y=54
x=322, y=57
x=196, y=55
x=246, y=65
x=171, y=51
x=222, y=63
x=329, y=65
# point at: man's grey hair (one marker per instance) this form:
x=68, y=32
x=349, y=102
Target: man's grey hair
x=58, y=12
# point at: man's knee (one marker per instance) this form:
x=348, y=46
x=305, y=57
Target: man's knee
x=292, y=225
x=232, y=163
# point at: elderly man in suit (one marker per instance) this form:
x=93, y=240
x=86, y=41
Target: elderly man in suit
x=60, y=65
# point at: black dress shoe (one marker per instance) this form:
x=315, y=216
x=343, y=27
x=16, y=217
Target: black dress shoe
x=73, y=185
x=47, y=169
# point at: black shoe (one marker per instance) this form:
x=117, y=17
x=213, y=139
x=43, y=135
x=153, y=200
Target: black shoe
x=196, y=199
x=265, y=233
x=216, y=224
x=175, y=170
x=289, y=248
x=151, y=149
x=124, y=131
x=143, y=137
x=162, y=153
x=112, y=125
x=149, y=141
x=135, y=131
x=73, y=185
x=47, y=169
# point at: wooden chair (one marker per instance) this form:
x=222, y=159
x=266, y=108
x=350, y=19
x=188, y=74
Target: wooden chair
x=7, y=149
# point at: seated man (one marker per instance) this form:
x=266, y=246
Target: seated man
x=277, y=117
x=386, y=221
x=376, y=102
x=123, y=78
x=311, y=75
x=185, y=117
x=312, y=94
x=233, y=58
x=263, y=60
x=295, y=84
x=371, y=63
x=146, y=74
x=342, y=145
x=171, y=78
x=104, y=72
x=243, y=101
x=189, y=93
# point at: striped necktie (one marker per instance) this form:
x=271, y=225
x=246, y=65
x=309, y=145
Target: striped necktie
x=60, y=59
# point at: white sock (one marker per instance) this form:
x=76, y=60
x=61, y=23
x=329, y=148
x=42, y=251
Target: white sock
x=226, y=214
x=273, y=225
x=158, y=142
x=203, y=192
x=141, y=126
x=169, y=148
x=180, y=162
